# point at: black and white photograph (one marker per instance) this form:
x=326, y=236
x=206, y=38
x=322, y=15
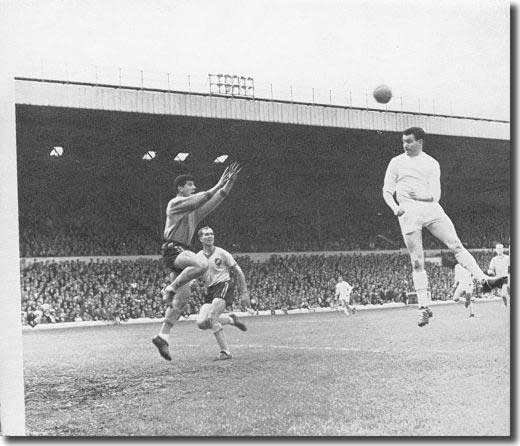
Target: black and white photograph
x=260, y=219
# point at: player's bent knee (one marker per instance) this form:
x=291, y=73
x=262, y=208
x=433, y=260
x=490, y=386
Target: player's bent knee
x=202, y=265
x=218, y=306
x=216, y=327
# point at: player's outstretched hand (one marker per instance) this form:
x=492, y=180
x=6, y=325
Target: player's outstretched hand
x=224, y=178
x=234, y=169
x=232, y=172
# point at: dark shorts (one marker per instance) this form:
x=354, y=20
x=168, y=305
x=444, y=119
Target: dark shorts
x=222, y=290
x=170, y=251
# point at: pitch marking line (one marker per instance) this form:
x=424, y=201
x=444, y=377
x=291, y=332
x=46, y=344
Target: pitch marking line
x=346, y=349
x=308, y=348
x=314, y=321
x=325, y=348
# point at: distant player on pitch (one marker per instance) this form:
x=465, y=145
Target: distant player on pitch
x=217, y=280
x=342, y=295
x=464, y=285
x=499, y=266
x=183, y=214
x=414, y=176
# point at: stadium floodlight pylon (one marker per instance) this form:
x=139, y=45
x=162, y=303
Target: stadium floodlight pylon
x=231, y=84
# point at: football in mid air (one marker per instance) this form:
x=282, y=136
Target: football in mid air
x=383, y=94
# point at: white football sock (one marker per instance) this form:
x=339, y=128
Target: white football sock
x=420, y=283
x=468, y=261
x=221, y=339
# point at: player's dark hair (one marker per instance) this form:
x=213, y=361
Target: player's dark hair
x=417, y=132
x=199, y=233
x=181, y=181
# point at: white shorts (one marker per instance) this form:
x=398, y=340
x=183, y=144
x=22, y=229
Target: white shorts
x=418, y=215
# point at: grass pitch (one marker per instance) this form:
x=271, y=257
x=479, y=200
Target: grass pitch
x=319, y=374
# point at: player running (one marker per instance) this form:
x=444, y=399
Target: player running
x=464, y=285
x=499, y=266
x=342, y=295
x=415, y=178
x=219, y=293
x=183, y=213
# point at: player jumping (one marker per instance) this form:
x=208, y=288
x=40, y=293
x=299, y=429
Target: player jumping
x=217, y=280
x=183, y=213
x=415, y=178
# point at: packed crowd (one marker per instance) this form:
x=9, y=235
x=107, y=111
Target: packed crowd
x=119, y=290
x=95, y=236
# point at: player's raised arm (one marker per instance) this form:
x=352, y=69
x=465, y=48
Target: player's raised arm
x=235, y=168
x=389, y=189
x=224, y=178
x=193, y=201
x=221, y=194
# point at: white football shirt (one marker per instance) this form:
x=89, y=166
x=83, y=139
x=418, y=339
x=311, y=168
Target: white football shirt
x=420, y=174
x=219, y=263
x=499, y=265
x=343, y=289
